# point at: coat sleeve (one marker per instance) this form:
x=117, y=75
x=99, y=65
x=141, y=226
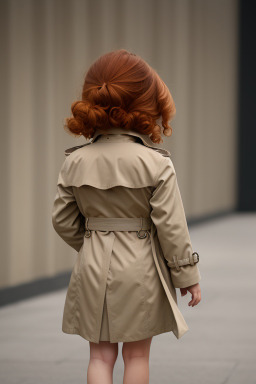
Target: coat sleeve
x=169, y=218
x=67, y=219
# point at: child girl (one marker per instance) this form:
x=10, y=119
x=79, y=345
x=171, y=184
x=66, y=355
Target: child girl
x=119, y=206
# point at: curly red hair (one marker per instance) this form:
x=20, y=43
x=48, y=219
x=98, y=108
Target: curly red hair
x=121, y=90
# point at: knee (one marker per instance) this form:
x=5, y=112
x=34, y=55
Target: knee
x=105, y=354
x=138, y=349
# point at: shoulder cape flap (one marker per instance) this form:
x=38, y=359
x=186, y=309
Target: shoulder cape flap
x=86, y=166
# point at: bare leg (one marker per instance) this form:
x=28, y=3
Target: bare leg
x=102, y=360
x=136, y=361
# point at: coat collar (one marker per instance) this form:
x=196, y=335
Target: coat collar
x=121, y=134
x=121, y=131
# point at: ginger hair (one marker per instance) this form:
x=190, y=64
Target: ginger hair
x=121, y=90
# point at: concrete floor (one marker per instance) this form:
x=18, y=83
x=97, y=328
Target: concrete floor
x=220, y=347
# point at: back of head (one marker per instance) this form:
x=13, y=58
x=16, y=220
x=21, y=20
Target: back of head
x=121, y=90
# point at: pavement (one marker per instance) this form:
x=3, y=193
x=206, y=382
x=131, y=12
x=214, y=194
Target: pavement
x=219, y=348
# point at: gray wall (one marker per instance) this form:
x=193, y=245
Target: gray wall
x=47, y=46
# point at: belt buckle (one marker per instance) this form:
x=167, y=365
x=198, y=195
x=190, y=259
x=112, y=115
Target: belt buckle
x=87, y=233
x=195, y=253
x=87, y=230
x=143, y=236
x=142, y=230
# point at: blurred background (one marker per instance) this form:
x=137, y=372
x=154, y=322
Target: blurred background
x=204, y=51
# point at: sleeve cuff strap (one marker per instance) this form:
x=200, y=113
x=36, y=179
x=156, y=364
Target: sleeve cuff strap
x=192, y=260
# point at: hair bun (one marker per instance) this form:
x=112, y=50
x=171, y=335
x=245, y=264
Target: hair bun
x=118, y=116
x=86, y=117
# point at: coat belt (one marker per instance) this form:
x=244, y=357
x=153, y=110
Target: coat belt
x=141, y=225
x=138, y=224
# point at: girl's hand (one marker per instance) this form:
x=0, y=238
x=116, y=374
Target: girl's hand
x=195, y=290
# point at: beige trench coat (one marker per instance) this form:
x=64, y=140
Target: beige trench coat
x=122, y=287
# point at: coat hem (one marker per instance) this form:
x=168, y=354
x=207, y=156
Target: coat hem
x=75, y=331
